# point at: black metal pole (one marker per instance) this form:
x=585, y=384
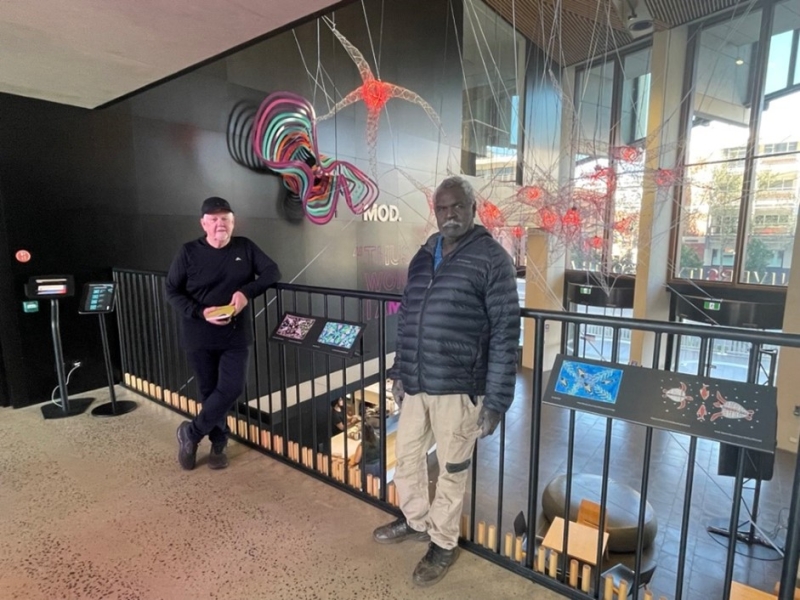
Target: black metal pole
x=107, y=357
x=791, y=554
x=67, y=408
x=55, y=329
x=115, y=407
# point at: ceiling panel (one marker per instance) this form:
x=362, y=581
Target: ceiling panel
x=89, y=52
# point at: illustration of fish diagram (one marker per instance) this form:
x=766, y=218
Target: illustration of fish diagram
x=727, y=409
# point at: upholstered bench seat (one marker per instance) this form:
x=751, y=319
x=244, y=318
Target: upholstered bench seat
x=622, y=509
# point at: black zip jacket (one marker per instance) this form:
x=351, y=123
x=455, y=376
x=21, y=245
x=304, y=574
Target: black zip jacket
x=458, y=327
x=203, y=276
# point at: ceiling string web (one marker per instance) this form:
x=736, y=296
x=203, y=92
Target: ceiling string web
x=590, y=210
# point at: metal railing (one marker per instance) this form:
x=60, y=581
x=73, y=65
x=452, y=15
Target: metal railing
x=286, y=413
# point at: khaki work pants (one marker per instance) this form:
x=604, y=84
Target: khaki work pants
x=452, y=423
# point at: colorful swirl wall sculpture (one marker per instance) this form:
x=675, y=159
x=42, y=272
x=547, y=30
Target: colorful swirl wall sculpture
x=285, y=138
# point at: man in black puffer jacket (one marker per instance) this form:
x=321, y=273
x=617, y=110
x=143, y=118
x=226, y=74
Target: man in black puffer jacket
x=454, y=371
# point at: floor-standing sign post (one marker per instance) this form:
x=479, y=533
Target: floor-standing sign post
x=99, y=299
x=54, y=287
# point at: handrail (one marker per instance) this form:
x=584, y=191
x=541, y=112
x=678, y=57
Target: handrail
x=154, y=365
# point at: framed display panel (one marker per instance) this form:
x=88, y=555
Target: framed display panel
x=98, y=298
x=733, y=412
x=50, y=286
x=333, y=336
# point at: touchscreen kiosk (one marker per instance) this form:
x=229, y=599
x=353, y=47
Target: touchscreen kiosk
x=50, y=286
x=98, y=298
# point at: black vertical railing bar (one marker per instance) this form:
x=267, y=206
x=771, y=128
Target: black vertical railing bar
x=121, y=307
x=606, y=464
x=238, y=405
x=268, y=351
x=177, y=353
x=313, y=400
x=160, y=346
x=536, y=415
x=154, y=349
x=606, y=467
x=576, y=329
x=328, y=398
x=563, y=561
x=122, y=310
x=130, y=318
x=282, y=375
x=501, y=467
x=382, y=396
x=648, y=449
x=187, y=375
x=733, y=526
x=133, y=327
x=169, y=353
x=141, y=366
x=563, y=556
x=753, y=371
x=256, y=365
x=139, y=320
x=297, y=396
x=344, y=391
x=363, y=415
x=791, y=549
x=166, y=340
x=147, y=332
x=473, y=508
x=702, y=361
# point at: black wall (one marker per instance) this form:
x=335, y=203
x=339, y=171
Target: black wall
x=85, y=191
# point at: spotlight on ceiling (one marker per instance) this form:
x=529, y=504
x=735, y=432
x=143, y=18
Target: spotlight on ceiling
x=636, y=17
x=739, y=61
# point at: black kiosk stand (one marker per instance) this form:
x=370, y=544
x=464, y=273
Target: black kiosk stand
x=98, y=299
x=52, y=288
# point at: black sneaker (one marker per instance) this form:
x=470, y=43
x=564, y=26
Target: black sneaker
x=187, y=448
x=434, y=565
x=217, y=459
x=398, y=531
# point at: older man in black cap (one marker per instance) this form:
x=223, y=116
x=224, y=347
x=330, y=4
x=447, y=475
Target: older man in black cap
x=210, y=283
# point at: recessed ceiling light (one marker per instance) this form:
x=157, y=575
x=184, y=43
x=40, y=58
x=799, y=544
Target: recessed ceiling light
x=739, y=61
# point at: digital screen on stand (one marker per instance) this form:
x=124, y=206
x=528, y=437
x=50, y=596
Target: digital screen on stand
x=49, y=286
x=98, y=297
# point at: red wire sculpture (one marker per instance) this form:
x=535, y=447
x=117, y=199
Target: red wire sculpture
x=375, y=94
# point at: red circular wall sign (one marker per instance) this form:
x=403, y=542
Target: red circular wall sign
x=23, y=256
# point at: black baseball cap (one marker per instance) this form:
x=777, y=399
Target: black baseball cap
x=215, y=205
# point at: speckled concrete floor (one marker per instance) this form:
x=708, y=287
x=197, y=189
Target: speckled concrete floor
x=93, y=508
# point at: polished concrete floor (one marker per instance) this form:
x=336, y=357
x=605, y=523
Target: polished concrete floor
x=93, y=508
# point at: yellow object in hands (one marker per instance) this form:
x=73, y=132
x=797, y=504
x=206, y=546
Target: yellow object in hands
x=221, y=313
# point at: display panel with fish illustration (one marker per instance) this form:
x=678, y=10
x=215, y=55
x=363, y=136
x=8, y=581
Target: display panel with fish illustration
x=733, y=412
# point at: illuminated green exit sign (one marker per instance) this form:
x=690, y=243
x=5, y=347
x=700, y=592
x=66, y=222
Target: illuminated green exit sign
x=712, y=305
x=586, y=291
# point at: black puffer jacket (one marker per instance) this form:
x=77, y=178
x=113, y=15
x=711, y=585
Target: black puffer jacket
x=458, y=328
